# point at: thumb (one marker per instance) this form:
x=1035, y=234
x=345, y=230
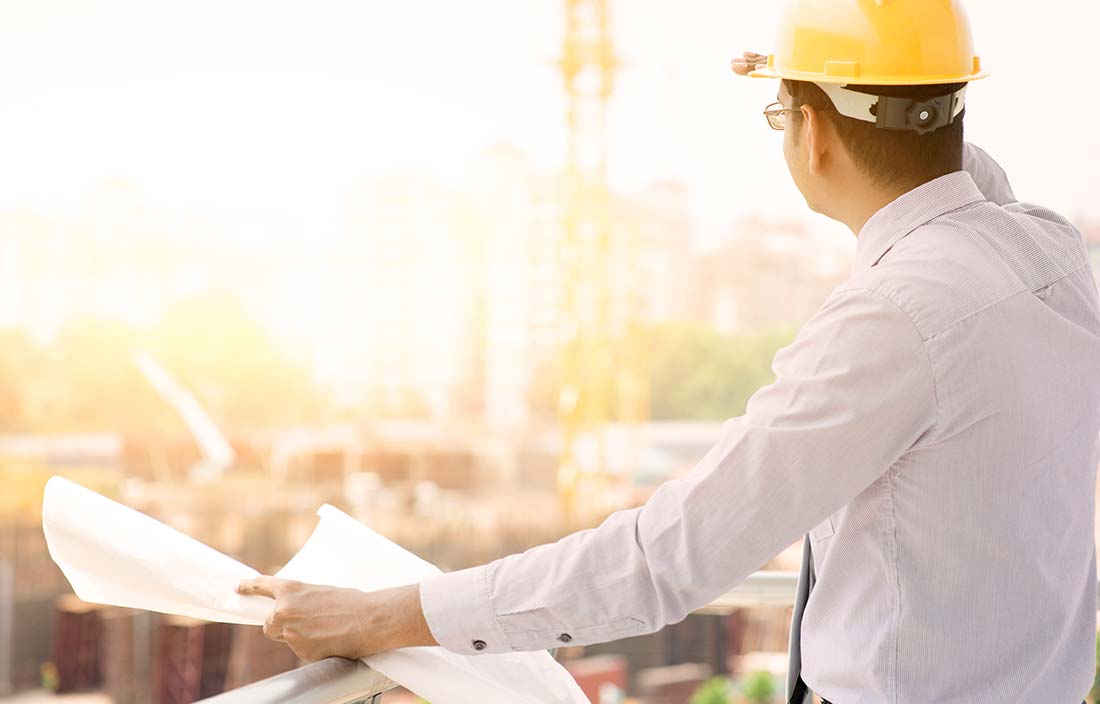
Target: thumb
x=259, y=586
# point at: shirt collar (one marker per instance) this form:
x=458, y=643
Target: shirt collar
x=919, y=206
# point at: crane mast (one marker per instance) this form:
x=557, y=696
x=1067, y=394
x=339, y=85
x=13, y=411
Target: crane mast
x=588, y=66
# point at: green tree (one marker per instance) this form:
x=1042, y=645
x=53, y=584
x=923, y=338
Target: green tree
x=225, y=357
x=698, y=373
x=92, y=384
x=716, y=690
x=695, y=372
x=87, y=380
x=759, y=687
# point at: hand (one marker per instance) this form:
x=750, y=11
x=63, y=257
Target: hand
x=749, y=61
x=319, y=622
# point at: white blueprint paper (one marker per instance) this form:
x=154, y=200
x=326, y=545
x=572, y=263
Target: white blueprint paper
x=114, y=555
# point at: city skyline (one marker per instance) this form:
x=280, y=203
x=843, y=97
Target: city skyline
x=455, y=295
x=261, y=120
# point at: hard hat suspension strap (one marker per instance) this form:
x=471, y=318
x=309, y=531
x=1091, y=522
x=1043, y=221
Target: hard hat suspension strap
x=920, y=115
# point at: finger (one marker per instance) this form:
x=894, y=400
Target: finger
x=754, y=55
x=260, y=586
x=740, y=67
x=274, y=632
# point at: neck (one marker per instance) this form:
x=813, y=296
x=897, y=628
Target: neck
x=872, y=200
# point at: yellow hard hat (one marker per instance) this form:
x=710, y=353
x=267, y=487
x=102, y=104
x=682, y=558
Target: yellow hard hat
x=874, y=42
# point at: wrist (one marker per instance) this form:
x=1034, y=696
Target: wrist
x=398, y=620
x=421, y=632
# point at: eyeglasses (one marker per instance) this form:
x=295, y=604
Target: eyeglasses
x=777, y=115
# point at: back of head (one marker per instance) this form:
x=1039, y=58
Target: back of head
x=890, y=158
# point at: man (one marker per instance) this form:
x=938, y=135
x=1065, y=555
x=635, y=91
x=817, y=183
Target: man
x=933, y=427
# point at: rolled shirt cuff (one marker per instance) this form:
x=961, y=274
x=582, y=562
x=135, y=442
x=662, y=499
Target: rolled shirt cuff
x=460, y=616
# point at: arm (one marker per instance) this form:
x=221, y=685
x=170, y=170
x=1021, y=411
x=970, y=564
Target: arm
x=854, y=392
x=988, y=175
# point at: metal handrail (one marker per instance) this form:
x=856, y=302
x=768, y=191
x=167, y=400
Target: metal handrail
x=342, y=681
x=329, y=681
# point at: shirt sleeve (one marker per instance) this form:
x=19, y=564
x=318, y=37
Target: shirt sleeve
x=853, y=392
x=988, y=175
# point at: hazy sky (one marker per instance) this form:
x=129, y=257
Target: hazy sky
x=263, y=116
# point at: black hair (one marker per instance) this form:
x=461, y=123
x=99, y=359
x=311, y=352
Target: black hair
x=889, y=157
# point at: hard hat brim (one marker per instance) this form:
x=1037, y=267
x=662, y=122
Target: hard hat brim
x=769, y=72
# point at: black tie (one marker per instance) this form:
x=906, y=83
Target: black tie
x=797, y=690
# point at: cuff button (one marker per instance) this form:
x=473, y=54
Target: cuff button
x=478, y=645
x=565, y=638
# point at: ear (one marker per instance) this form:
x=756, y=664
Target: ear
x=817, y=138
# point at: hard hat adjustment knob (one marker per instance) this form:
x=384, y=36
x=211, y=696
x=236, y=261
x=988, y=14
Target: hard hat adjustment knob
x=928, y=115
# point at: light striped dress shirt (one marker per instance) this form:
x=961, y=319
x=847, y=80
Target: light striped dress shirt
x=933, y=428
